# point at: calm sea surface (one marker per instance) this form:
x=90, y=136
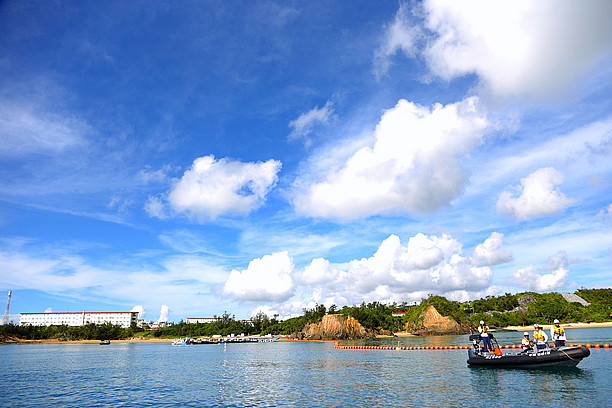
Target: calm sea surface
x=293, y=374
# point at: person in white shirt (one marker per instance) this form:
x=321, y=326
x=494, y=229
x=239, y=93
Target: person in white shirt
x=526, y=342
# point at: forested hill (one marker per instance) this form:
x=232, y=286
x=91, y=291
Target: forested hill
x=498, y=311
x=525, y=308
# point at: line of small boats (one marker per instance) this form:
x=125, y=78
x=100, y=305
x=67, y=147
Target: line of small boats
x=186, y=341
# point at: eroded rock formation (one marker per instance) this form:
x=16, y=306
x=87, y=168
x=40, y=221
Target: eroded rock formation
x=432, y=323
x=334, y=327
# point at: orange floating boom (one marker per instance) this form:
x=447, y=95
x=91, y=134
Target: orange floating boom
x=337, y=345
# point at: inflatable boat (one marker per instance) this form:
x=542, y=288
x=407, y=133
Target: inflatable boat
x=545, y=357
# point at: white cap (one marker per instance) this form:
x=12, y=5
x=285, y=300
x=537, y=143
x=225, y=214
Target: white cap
x=482, y=322
x=556, y=321
x=536, y=325
x=526, y=334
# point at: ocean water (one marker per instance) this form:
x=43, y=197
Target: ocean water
x=293, y=374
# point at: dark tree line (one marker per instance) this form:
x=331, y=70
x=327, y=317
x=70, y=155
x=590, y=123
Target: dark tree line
x=63, y=332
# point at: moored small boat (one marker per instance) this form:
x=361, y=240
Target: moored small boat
x=186, y=341
x=104, y=342
x=546, y=357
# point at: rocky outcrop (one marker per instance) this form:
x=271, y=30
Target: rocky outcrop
x=334, y=327
x=526, y=300
x=523, y=306
x=433, y=323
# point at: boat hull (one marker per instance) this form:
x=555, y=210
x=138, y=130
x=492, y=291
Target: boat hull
x=556, y=357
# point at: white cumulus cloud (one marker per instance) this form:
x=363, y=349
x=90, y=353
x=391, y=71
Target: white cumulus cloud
x=397, y=272
x=489, y=253
x=266, y=279
x=413, y=167
x=164, y=313
x=211, y=188
x=537, y=196
x=320, y=271
x=518, y=47
x=556, y=278
x=141, y=311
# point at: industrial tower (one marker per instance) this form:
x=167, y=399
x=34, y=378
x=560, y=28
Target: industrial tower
x=5, y=319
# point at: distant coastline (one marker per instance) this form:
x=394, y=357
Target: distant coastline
x=397, y=334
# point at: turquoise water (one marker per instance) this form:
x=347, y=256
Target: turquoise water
x=292, y=374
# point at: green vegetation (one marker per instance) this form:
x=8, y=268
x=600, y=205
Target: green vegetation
x=498, y=311
x=225, y=326
x=505, y=311
x=377, y=316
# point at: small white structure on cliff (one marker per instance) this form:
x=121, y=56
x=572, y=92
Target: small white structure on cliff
x=123, y=319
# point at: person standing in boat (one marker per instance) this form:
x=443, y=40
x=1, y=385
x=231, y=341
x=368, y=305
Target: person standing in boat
x=539, y=337
x=526, y=342
x=484, y=335
x=558, y=334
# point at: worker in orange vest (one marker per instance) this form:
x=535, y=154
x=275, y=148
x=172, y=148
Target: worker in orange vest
x=539, y=337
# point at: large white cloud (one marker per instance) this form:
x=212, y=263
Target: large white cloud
x=266, y=279
x=531, y=280
x=518, y=47
x=211, y=188
x=425, y=263
x=538, y=196
x=556, y=278
x=394, y=273
x=397, y=273
x=413, y=167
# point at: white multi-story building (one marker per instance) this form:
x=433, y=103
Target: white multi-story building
x=123, y=319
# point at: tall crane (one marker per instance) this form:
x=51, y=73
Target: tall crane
x=5, y=319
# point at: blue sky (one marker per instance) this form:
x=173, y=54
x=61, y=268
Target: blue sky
x=199, y=157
